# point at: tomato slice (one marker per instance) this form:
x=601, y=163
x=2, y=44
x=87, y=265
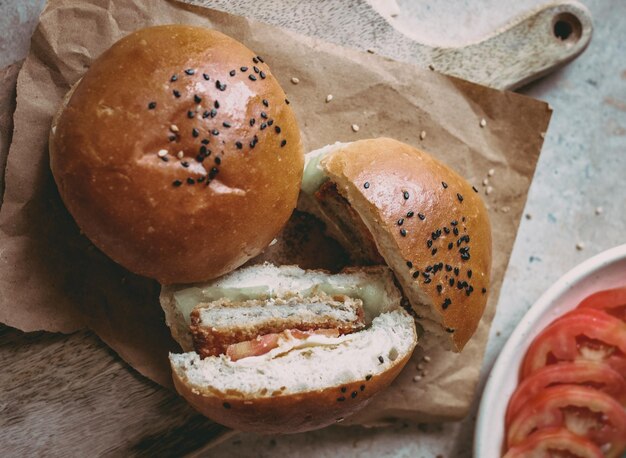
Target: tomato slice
x=589, y=373
x=546, y=443
x=582, y=410
x=266, y=343
x=583, y=334
x=612, y=301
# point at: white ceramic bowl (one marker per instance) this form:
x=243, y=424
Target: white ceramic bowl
x=604, y=271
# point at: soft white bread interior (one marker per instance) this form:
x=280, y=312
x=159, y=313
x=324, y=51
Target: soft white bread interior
x=429, y=225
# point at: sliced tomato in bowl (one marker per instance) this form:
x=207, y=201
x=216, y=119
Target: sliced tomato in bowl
x=593, y=374
x=612, y=301
x=550, y=442
x=583, y=334
x=583, y=411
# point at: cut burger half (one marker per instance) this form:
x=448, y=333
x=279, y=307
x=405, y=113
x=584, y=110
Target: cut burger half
x=283, y=350
x=386, y=201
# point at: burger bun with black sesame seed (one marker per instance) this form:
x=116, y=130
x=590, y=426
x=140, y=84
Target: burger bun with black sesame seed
x=383, y=198
x=171, y=164
x=300, y=383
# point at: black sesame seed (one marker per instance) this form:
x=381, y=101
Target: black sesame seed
x=205, y=76
x=262, y=74
x=341, y=399
x=215, y=132
x=446, y=230
x=429, y=268
x=405, y=194
x=171, y=137
x=214, y=171
x=450, y=330
x=200, y=158
x=283, y=143
x=270, y=122
x=353, y=394
x=344, y=389
x=459, y=196
x=400, y=221
x=232, y=73
x=455, y=231
x=226, y=405
x=451, y=281
x=256, y=69
x=366, y=185
x=176, y=93
x=260, y=59
x=206, y=114
x=252, y=121
x=264, y=115
x=446, y=303
x=421, y=216
x=151, y=105
x=459, y=285
x=191, y=181
x=474, y=188
x=416, y=274
x=410, y=214
x=429, y=243
x=203, y=150
x=205, y=141
x=191, y=114
x=463, y=219
x=444, y=184
x=484, y=290
x=434, y=251
x=195, y=132
x=427, y=280
x=243, y=69
x=454, y=222
x=409, y=264
x=252, y=77
x=216, y=104
x=165, y=159
x=450, y=245
x=200, y=180
x=197, y=98
x=381, y=359
x=287, y=101
x=190, y=71
x=185, y=164
x=456, y=271
x=362, y=387
x=263, y=125
x=403, y=232
x=277, y=129
x=368, y=377
x=265, y=102
x=448, y=268
x=226, y=124
x=439, y=288
x=238, y=145
x=217, y=160
x=255, y=60
x=213, y=112
x=173, y=78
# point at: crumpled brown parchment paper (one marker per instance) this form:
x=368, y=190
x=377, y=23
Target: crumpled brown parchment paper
x=52, y=278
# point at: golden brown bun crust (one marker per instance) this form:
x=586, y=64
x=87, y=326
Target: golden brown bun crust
x=285, y=414
x=104, y=154
x=441, y=197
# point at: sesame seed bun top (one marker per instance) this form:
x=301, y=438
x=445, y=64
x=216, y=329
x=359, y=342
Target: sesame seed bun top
x=177, y=153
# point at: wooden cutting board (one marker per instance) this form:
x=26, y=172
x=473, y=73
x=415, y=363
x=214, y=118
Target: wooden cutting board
x=55, y=386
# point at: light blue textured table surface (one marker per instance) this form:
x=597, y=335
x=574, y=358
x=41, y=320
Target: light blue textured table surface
x=576, y=206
